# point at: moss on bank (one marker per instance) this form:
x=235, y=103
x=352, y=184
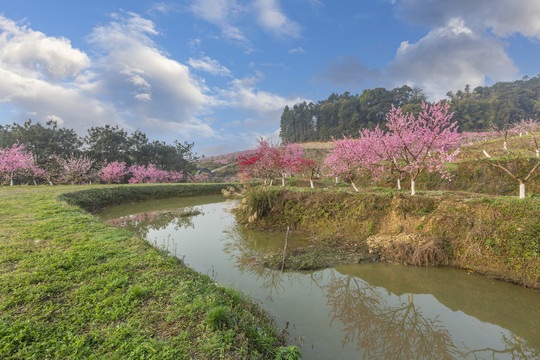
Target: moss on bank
x=74, y=287
x=496, y=236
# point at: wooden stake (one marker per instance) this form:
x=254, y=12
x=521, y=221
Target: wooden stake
x=285, y=249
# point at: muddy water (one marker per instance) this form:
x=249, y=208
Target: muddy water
x=371, y=311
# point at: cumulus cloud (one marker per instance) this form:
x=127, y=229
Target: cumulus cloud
x=31, y=53
x=271, y=18
x=448, y=58
x=134, y=72
x=502, y=17
x=243, y=94
x=129, y=82
x=209, y=65
x=465, y=46
x=46, y=76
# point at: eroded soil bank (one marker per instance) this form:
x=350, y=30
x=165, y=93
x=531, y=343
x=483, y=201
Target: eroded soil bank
x=495, y=236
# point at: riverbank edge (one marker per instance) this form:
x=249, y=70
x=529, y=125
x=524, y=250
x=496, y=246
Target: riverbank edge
x=72, y=286
x=497, y=236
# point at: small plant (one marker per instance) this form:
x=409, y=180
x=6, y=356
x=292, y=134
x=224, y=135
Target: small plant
x=219, y=317
x=258, y=201
x=288, y=353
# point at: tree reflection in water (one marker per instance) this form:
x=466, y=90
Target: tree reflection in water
x=514, y=348
x=245, y=247
x=379, y=325
x=383, y=330
x=142, y=223
x=386, y=329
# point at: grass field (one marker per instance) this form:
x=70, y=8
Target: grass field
x=72, y=287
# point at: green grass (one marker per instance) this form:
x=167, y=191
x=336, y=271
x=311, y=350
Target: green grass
x=72, y=287
x=495, y=235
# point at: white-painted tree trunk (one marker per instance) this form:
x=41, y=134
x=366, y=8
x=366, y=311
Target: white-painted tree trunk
x=537, y=153
x=504, y=146
x=522, y=190
x=264, y=182
x=354, y=187
x=399, y=184
x=283, y=181
x=337, y=180
x=50, y=183
x=10, y=182
x=271, y=182
x=34, y=182
x=485, y=153
x=311, y=183
x=413, y=190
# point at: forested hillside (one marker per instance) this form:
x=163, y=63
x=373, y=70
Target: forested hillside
x=480, y=108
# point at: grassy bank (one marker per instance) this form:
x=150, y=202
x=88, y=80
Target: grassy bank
x=497, y=236
x=74, y=287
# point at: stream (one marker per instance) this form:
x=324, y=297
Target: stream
x=361, y=311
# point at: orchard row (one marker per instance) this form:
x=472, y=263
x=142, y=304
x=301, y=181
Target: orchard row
x=412, y=145
x=18, y=164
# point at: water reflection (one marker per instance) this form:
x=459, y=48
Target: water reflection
x=367, y=311
x=245, y=247
x=384, y=327
x=142, y=223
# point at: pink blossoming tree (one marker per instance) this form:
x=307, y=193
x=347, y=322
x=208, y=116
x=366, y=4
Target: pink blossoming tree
x=114, y=172
x=75, y=169
x=15, y=162
x=426, y=142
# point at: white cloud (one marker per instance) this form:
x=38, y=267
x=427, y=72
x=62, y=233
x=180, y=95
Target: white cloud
x=130, y=82
x=221, y=13
x=135, y=73
x=209, y=65
x=243, y=94
x=263, y=109
x=273, y=19
x=298, y=50
x=448, y=58
x=502, y=17
x=33, y=54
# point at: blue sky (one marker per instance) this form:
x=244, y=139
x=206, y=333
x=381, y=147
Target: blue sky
x=219, y=72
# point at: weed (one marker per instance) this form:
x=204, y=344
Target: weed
x=219, y=317
x=288, y=353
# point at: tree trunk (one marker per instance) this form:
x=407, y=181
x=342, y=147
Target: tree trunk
x=413, y=190
x=34, y=182
x=522, y=190
x=311, y=183
x=271, y=182
x=11, y=182
x=399, y=184
x=50, y=183
x=354, y=187
x=337, y=180
x=283, y=181
x=264, y=182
